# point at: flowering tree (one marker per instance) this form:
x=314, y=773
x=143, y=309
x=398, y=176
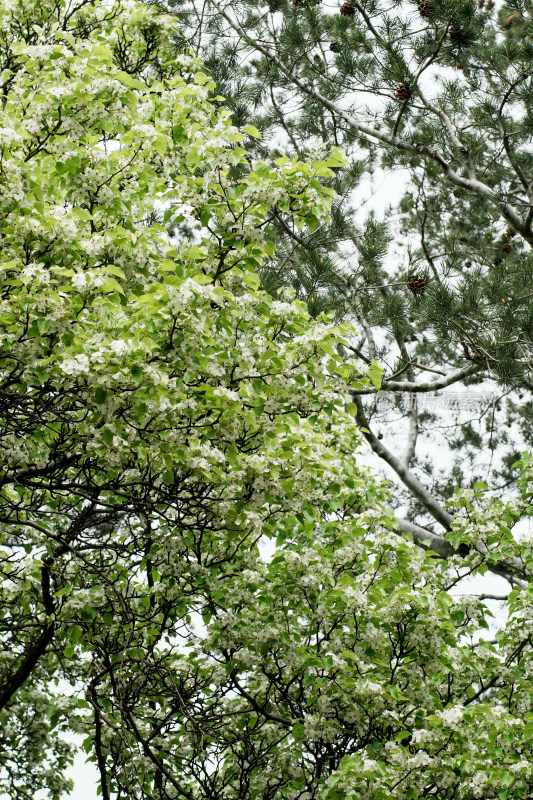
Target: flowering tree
x=160, y=417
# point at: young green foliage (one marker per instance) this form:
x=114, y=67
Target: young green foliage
x=160, y=418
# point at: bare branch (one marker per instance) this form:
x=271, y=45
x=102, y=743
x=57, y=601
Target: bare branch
x=426, y=539
x=437, y=544
x=31, y=656
x=413, y=429
x=423, y=386
x=411, y=481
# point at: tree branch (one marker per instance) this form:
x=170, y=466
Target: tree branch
x=33, y=653
x=411, y=481
x=443, y=549
x=98, y=747
x=413, y=429
x=157, y=761
x=255, y=705
x=423, y=386
x=471, y=184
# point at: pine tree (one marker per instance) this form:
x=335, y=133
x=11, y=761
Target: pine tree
x=439, y=93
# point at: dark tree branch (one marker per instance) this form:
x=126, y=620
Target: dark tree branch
x=31, y=656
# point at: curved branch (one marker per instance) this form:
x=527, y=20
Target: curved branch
x=443, y=549
x=33, y=653
x=426, y=539
x=423, y=386
x=255, y=705
x=411, y=481
x=413, y=430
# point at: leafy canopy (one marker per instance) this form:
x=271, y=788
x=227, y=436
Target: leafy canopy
x=161, y=416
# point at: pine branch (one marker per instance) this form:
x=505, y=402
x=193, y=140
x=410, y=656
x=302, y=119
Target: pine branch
x=450, y=130
x=422, y=386
x=471, y=184
x=411, y=481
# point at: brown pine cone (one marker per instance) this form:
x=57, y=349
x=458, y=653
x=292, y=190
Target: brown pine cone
x=403, y=92
x=455, y=33
x=417, y=285
x=509, y=21
x=347, y=10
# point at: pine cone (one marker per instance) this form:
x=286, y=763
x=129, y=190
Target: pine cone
x=509, y=21
x=403, y=92
x=456, y=34
x=347, y=10
x=459, y=65
x=481, y=4
x=424, y=8
x=417, y=285
x=490, y=5
x=507, y=247
x=298, y=3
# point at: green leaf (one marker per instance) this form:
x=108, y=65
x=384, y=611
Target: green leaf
x=201, y=78
x=75, y=634
x=202, y=279
x=402, y=735
x=166, y=265
x=298, y=732
x=111, y=285
x=251, y=130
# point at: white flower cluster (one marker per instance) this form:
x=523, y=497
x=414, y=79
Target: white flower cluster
x=9, y=136
x=35, y=273
x=186, y=62
x=453, y=716
x=87, y=280
x=76, y=365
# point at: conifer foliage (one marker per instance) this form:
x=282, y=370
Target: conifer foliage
x=439, y=93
